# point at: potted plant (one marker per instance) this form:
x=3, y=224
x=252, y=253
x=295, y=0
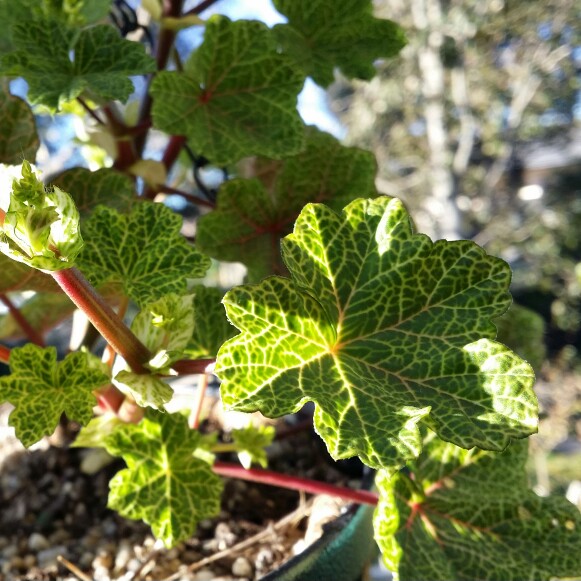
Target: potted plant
x=390, y=335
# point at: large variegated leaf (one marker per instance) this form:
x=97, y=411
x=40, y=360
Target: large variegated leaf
x=382, y=329
x=463, y=515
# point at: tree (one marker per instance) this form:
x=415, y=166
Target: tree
x=445, y=119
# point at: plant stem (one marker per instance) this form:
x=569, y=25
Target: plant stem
x=198, y=402
x=172, y=8
x=190, y=197
x=104, y=318
x=294, y=483
x=191, y=367
x=4, y=354
x=90, y=111
x=28, y=329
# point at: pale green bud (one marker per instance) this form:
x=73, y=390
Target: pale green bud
x=41, y=225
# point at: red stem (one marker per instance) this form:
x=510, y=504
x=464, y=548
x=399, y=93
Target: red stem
x=28, y=329
x=4, y=354
x=190, y=197
x=294, y=483
x=104, y=318
x=173, y=9
x=191, y=367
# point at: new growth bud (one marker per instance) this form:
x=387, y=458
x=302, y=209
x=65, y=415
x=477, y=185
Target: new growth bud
x=41, y=225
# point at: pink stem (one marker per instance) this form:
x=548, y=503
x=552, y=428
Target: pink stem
x=294, y=483
x=105, y=319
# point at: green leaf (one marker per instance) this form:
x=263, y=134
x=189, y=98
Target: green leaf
x=143, y=252
x=43, y=311
x=18, y=136
x=381, y=328
x=252, y=216
x=163, y=484
x=465, y=515
x=42, y=390
x=324, y=34
x=93, y=435
x=236, y=97
x=17, y=276
x=211, y=327
x=61, y=63
x=78, y=12
x=146, y=390
x=251, y=443
x=91, y=188
x=165, y=328
x=41, y=226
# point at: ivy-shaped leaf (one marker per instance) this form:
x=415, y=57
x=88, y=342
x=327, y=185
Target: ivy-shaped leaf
x=468, y=514
x=43, y=311
x=382, y=329
x=143, y=252
x=60, y=63
x=164, y=483
x=324, y=34
x=91, y=188
x=42, y=389
x=236, y=97
x=251, y=442
x=251, y=218
x=211, y=327
x=18, y=135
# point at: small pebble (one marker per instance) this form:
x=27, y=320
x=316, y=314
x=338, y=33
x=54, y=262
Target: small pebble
x=29, y=561
x=85, y=560
x=205, y=575
x=17, y=562
x=48, y=557
x=133, y=564
x=9, y=551
x=242, y=567
x=37, y=542
x=101, y=574
x=124, y=554
x=104, y=560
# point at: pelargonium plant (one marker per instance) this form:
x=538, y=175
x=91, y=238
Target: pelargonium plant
x=391, y=335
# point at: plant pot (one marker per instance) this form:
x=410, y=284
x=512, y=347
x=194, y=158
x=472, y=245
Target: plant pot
x=343, y=551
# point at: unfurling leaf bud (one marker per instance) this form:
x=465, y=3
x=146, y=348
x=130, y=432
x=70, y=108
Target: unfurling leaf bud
x=41, y=225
